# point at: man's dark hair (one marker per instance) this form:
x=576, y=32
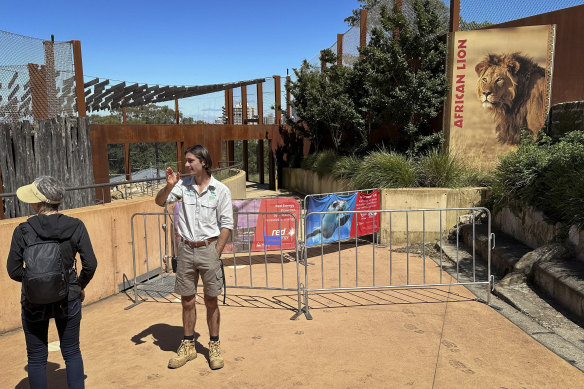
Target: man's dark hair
x=203, y=155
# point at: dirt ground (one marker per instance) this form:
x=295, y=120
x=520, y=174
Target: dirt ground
x=426, y=337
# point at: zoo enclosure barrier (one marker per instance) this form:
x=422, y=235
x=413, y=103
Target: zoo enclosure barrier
x=272, y=260
x=373, y=265
x=400, y=229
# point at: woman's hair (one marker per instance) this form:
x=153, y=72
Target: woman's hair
x=53, y=191
x=203, y=155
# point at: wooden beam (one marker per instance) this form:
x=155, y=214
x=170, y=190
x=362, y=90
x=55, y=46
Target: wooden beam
x=79, y=85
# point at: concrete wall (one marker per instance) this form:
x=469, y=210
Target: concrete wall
x=308, y=182
x=425, y=225
x=530, y=227
x=236, y=185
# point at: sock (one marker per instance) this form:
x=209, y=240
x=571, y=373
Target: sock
x=215, y=338
x=191, y=338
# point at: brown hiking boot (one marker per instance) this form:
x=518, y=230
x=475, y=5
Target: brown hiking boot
x=215, y=358
x=186, y=352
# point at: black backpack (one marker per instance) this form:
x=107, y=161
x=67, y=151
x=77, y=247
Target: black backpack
x=45, y=278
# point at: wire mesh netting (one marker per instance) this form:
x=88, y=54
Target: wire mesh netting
x=474, y=15
x=37, y=79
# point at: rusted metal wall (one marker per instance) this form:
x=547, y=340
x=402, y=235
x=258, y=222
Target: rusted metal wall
x=184, y=135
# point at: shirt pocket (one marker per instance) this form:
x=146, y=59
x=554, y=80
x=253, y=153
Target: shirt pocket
x=209, y=209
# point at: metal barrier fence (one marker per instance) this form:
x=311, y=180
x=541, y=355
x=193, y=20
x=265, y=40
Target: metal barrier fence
x=357, y=263
x=404, y=228
x=268, y=270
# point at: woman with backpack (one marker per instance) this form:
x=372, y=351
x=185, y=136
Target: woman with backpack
x=42, y=257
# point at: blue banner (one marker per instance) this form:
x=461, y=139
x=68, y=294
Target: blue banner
x=329, y=227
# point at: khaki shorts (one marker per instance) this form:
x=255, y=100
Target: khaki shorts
x=195, y=261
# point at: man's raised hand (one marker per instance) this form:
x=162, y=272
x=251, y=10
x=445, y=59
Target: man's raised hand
x=171, y=177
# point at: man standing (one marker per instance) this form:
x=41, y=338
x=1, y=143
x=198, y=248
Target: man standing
x=205, y=221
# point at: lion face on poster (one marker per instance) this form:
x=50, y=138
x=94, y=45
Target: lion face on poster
x=512, y=88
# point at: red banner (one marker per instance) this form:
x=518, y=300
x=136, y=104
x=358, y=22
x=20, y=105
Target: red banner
x=366, y=223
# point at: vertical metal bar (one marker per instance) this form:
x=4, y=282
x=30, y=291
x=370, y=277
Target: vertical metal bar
x=457, y=240
x=134, y=259
x=321, y=255
x=250, y=274
x=160, y=255
x=390, y=250
x=407, y=248
x=424, y=244
x=441, y=247
x=339, y=250
x=146, y=246
x=489, y=258
x=373, y=239
x=356, y=252
x=281, y=251
x=265, y=248
x=298, y=283
x=305, y=264
x=233, y=249
x=474, y=277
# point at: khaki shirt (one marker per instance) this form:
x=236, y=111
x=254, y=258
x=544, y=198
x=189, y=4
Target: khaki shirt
x=201, y=215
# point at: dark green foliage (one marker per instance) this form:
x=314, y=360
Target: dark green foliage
x=440, y=169
x=325, y=107
x=325, y=160
x=308, y=162
x=546, y=175
x=403, y=75
x=384, y=169
x=345, y=168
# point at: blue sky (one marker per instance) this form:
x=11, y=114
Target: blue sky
x=204, y=42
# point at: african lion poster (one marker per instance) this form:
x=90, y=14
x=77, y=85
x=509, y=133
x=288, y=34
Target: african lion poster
x=500, y=85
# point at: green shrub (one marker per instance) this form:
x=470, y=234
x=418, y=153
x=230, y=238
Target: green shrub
x=545, y=175
x=324, y=162
x=443, y=169
x=383, y=169
x=345, y=167
x=308, y=161
x=440, y=168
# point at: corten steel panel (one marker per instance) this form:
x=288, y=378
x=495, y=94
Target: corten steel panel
x=288, y=106
x=50, y=80
x=245, y=162
x=363, y=30
x=243, y=104
x=278, y=100
x=260, y=103
x=38, y=91
x=79, y=87
x=340, y=49
x=454, y=15
x=100, y=163
x=260, y=151
x=568, y=78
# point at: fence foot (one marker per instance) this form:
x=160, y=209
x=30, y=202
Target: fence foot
x=299, y=313
x=134, y=304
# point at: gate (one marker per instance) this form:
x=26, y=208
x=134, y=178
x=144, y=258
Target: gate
x=392, y=253
x=364, y=264
x=271, y=259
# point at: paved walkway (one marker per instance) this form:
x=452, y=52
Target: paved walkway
x=429, y=338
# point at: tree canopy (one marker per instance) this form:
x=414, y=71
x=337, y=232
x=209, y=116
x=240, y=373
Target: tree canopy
x=400, y=80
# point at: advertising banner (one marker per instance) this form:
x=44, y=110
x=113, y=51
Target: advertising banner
x=327, y=228
x=268, y=231
x=500, y=84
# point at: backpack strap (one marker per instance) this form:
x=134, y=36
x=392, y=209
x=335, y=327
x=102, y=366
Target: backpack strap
x=29, y=234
